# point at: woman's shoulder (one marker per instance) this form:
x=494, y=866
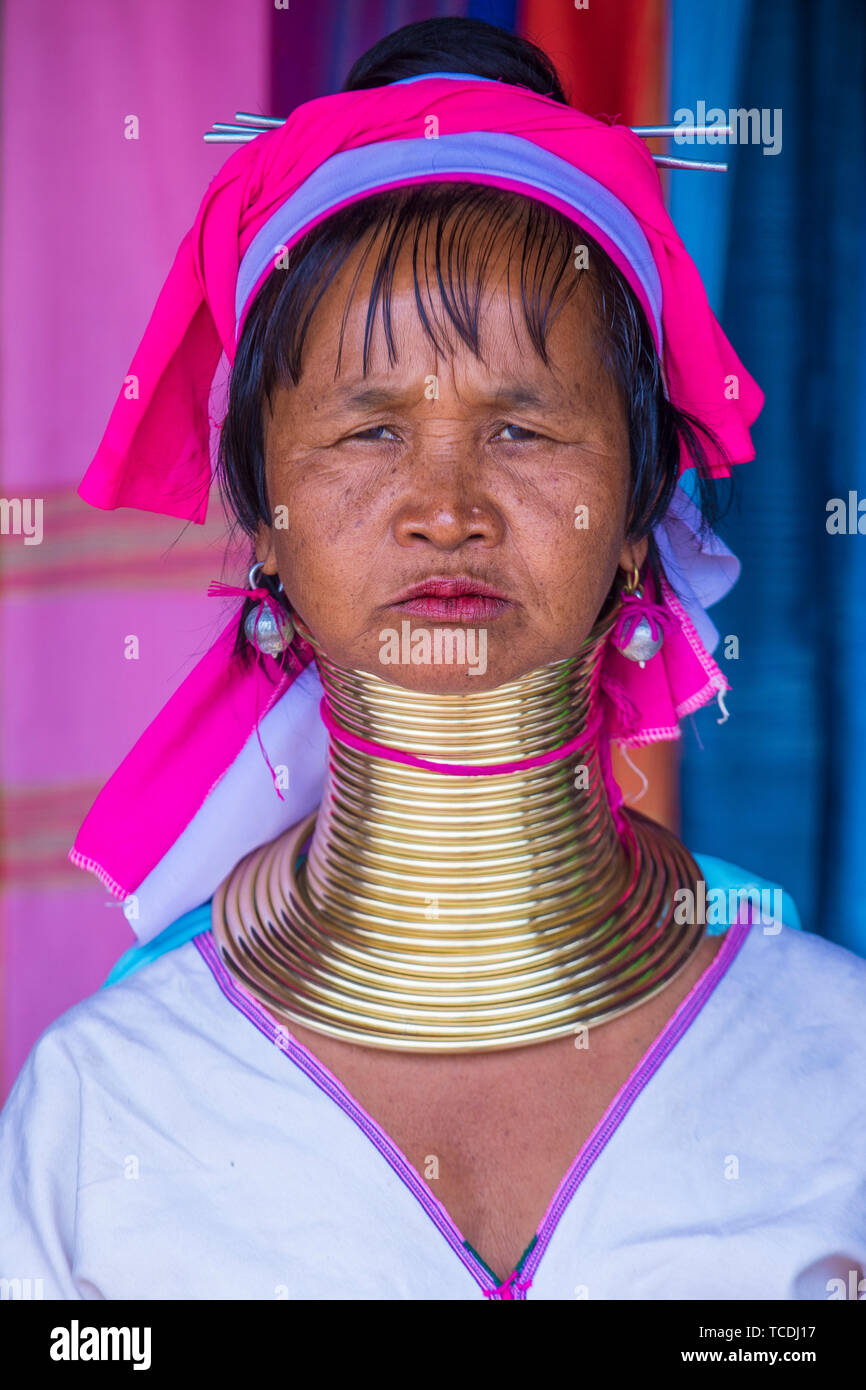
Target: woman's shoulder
x=131, y=1028
x=812, y=978
x=157, y=1002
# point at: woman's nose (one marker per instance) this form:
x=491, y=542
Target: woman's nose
x=446, y=508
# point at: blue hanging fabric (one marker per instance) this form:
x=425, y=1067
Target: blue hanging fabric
x=779, y=243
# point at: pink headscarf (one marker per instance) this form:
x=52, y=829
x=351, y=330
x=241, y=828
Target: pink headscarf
x=155, y=453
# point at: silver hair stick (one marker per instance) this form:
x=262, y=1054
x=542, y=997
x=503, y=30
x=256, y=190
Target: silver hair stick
x=247, y=126
x=648, y=132
x=249, y=118
x=248, y=132
x=667, y=162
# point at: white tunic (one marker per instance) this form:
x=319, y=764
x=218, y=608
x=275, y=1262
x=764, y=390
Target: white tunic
x=167, y=1140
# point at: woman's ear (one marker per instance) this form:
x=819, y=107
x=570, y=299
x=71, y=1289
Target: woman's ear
x=633, y=554
x=265, y=552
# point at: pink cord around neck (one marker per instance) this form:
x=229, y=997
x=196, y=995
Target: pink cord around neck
x=396, y=755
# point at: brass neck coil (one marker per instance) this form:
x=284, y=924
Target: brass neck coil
x=438, y=912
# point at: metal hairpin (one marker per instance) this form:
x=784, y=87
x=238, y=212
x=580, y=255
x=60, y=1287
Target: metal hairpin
x=246, y=126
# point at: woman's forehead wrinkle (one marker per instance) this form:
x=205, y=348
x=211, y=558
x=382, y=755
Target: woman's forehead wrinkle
x=508, y=379
x=480, y=392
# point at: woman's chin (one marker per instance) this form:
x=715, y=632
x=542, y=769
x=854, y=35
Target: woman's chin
x=458, y=660
x=482, y=669
x=446, y=680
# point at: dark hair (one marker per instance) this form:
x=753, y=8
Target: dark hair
x=456, y=45
x=271, y=346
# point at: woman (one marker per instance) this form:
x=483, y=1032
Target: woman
x=421, y=1009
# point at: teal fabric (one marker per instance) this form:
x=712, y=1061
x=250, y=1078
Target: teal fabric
x=717, y=872
x=183, y=929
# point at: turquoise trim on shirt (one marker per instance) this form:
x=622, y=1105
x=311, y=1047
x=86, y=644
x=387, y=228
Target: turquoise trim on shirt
x=717, y=872
x=721, y=874
x=183, y=929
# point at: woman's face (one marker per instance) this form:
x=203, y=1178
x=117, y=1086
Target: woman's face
x=500, y=487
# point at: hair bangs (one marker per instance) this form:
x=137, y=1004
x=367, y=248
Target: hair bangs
x=453, y=231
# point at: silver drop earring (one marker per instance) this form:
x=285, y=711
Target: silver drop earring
x=645, y=636
x=261, y=627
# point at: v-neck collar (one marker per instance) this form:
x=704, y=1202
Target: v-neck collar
x=520, y=1279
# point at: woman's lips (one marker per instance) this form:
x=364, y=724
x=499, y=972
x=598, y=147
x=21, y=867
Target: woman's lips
x=460, y=599
x=463, y=608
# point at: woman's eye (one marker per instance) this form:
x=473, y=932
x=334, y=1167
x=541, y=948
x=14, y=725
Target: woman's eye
x=520, y=430
x=365, y=434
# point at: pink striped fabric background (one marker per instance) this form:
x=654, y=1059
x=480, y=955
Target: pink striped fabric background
x=92, y=220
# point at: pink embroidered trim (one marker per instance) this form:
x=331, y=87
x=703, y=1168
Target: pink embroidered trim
x=695, y=701
x=646, y=736
x=717, y=680
x=82, y=861
x=504, y=1290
